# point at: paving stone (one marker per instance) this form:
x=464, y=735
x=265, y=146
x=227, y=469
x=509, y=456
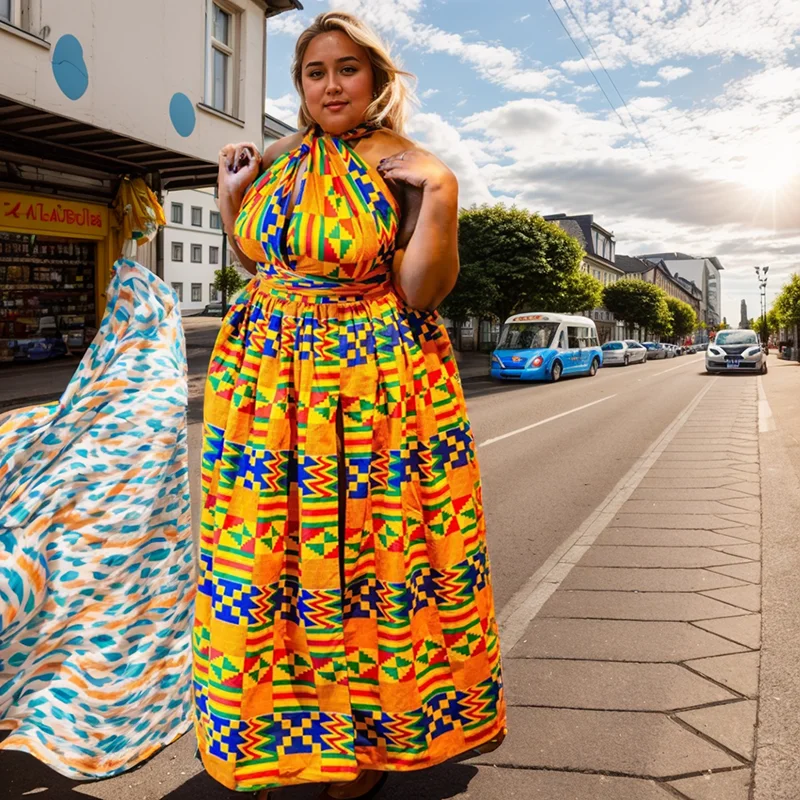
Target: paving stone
x=689, y=492
x=733, y=785
x=744, y=517
x=745, y=630
x=704, y=482
x=711, y=522
x=747, y=488
x=747, y=572
x=617, y=556
x=662, y=471
x=676, y=507
x=471, y=782
x=744, y=503
x=646, y=580
x=619, y=640
x=746, y=597
x=748, y=533
x=738, y=672
x=674, y=606
x=633, y=743
x=657, y=537
x=711, y=460
x=607, y=685
x=750, y=551
x=731, y=724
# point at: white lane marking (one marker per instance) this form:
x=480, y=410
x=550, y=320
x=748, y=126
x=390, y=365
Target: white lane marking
x=672, y=369
x=544, y=421
x=526, y=603
x=766, y=422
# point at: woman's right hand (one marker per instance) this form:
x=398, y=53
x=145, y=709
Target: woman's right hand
x=239, y=166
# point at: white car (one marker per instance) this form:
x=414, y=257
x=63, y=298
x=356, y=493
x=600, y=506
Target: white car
x=736, y=351
x=624, y=352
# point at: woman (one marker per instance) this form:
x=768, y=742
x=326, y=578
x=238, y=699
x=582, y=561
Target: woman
x=345, y=624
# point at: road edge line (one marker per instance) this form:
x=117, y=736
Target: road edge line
x=527, y=601
x=766, y=420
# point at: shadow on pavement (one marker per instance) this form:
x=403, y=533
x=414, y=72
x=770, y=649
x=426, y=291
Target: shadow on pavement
x=22, y=775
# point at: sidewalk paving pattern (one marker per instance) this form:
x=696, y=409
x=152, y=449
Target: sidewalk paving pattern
x=642, y=668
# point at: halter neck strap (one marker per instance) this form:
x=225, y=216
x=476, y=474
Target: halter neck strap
x=364, y=129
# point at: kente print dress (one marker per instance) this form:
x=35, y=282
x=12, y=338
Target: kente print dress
x=344, y=615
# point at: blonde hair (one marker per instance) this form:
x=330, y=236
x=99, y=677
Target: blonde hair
x=392, y=93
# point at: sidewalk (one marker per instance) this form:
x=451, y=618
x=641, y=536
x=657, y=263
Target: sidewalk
x=638, y=677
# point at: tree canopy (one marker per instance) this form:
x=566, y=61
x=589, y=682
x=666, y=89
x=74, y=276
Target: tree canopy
x=787, y=303
x=513, y=260
x=638, y=302
x=684, y=319
x=229, y=280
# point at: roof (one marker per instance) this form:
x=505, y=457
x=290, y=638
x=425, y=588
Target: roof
x=583, y=223
x=677, y=256
x=275, y=7
x=546, y=316
x=632, y=265
x=276, y=128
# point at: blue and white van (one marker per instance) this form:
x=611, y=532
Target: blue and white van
x=543, y=347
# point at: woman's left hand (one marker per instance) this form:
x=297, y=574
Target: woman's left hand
x=417, y=168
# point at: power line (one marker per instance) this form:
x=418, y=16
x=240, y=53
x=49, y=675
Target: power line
x=586, y=36
x=596, y=80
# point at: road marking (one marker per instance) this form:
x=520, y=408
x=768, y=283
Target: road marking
x=544, y=421
x=766, y=421
x=526, y=603
x=672, y=369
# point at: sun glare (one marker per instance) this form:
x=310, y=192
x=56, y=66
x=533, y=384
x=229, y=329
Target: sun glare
x=769, y=168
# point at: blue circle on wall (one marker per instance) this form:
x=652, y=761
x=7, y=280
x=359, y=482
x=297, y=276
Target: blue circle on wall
x=69, y=68
x=181, y=112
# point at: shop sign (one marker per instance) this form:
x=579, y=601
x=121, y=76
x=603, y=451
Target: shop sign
x=47, y=215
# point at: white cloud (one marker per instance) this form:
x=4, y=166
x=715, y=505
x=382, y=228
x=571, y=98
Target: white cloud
x=648, y=84
x=673, y=73
x=284, y=108
x=495, y=63
x=429, y=93
x=289, y=24
x=524, y=17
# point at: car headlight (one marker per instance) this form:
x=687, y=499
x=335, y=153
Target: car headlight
x=537, y=361
x=752, y=351
x=715, y=351
x=496, y=360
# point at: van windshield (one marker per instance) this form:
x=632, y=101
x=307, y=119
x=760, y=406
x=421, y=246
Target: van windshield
x=527, y=335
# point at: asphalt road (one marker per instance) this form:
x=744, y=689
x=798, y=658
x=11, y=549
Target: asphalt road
x=540, y=484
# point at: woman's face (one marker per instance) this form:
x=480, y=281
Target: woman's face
x=338, y=83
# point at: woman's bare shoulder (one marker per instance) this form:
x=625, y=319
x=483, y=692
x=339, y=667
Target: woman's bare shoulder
x=384, y=143
x=279, y=148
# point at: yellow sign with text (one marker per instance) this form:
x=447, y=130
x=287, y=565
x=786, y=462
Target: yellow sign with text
x=30, y=213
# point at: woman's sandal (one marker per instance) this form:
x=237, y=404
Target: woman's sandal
x=369, y=794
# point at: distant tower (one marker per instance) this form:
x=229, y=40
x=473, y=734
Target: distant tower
x=744, y=322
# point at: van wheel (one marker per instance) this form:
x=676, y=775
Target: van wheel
x=764, y=367
x=593, y=369
x=556, y=372
x=627, y=361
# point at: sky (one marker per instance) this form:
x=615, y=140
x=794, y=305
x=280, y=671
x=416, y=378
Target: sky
x=695, y=148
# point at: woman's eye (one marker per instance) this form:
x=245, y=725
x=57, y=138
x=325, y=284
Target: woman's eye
x=316, y=74
x=348, y=70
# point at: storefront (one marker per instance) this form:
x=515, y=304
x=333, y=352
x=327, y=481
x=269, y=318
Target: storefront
x=55, y=260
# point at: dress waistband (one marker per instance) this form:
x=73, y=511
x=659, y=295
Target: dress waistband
x=298, y=288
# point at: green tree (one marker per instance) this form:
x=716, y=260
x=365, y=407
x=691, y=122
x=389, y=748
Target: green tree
x=637, y=302
x=773, y=325
x=474, y=295
x=582, y=292
x=531, y=263
x=684, y=319
x=723, y=326
x=228, y=280
x=787, y=303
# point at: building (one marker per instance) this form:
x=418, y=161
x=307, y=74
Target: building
x=658, y=273
x=193, y=239
x=704, y=272
x=599, y=246
x=744, y=320
x=75, y=117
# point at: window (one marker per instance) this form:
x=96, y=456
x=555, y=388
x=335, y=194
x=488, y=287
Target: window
x=574, y=337
x=213, y=255
x=178, y=287
x=527, y=335
x=5, y=10
x=177, y=213
x=197, y=216
x=197, y=292
x=215, y=220
x=213, y=294
x=222, y=24
x=177, y=251
x=197, y=254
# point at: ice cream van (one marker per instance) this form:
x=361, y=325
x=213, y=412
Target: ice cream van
x=543, y=347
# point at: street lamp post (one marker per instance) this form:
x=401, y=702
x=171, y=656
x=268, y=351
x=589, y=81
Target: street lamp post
x=761, y=274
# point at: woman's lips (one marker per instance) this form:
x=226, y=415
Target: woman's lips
x=335, y=106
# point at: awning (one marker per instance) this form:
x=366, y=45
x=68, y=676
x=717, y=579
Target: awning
x=35, y=135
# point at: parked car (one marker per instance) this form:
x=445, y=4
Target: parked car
x=670, y=348
x=736, y=350
x=655, y=350
x=542, y=347
x=624, y=352
x=212, y=309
